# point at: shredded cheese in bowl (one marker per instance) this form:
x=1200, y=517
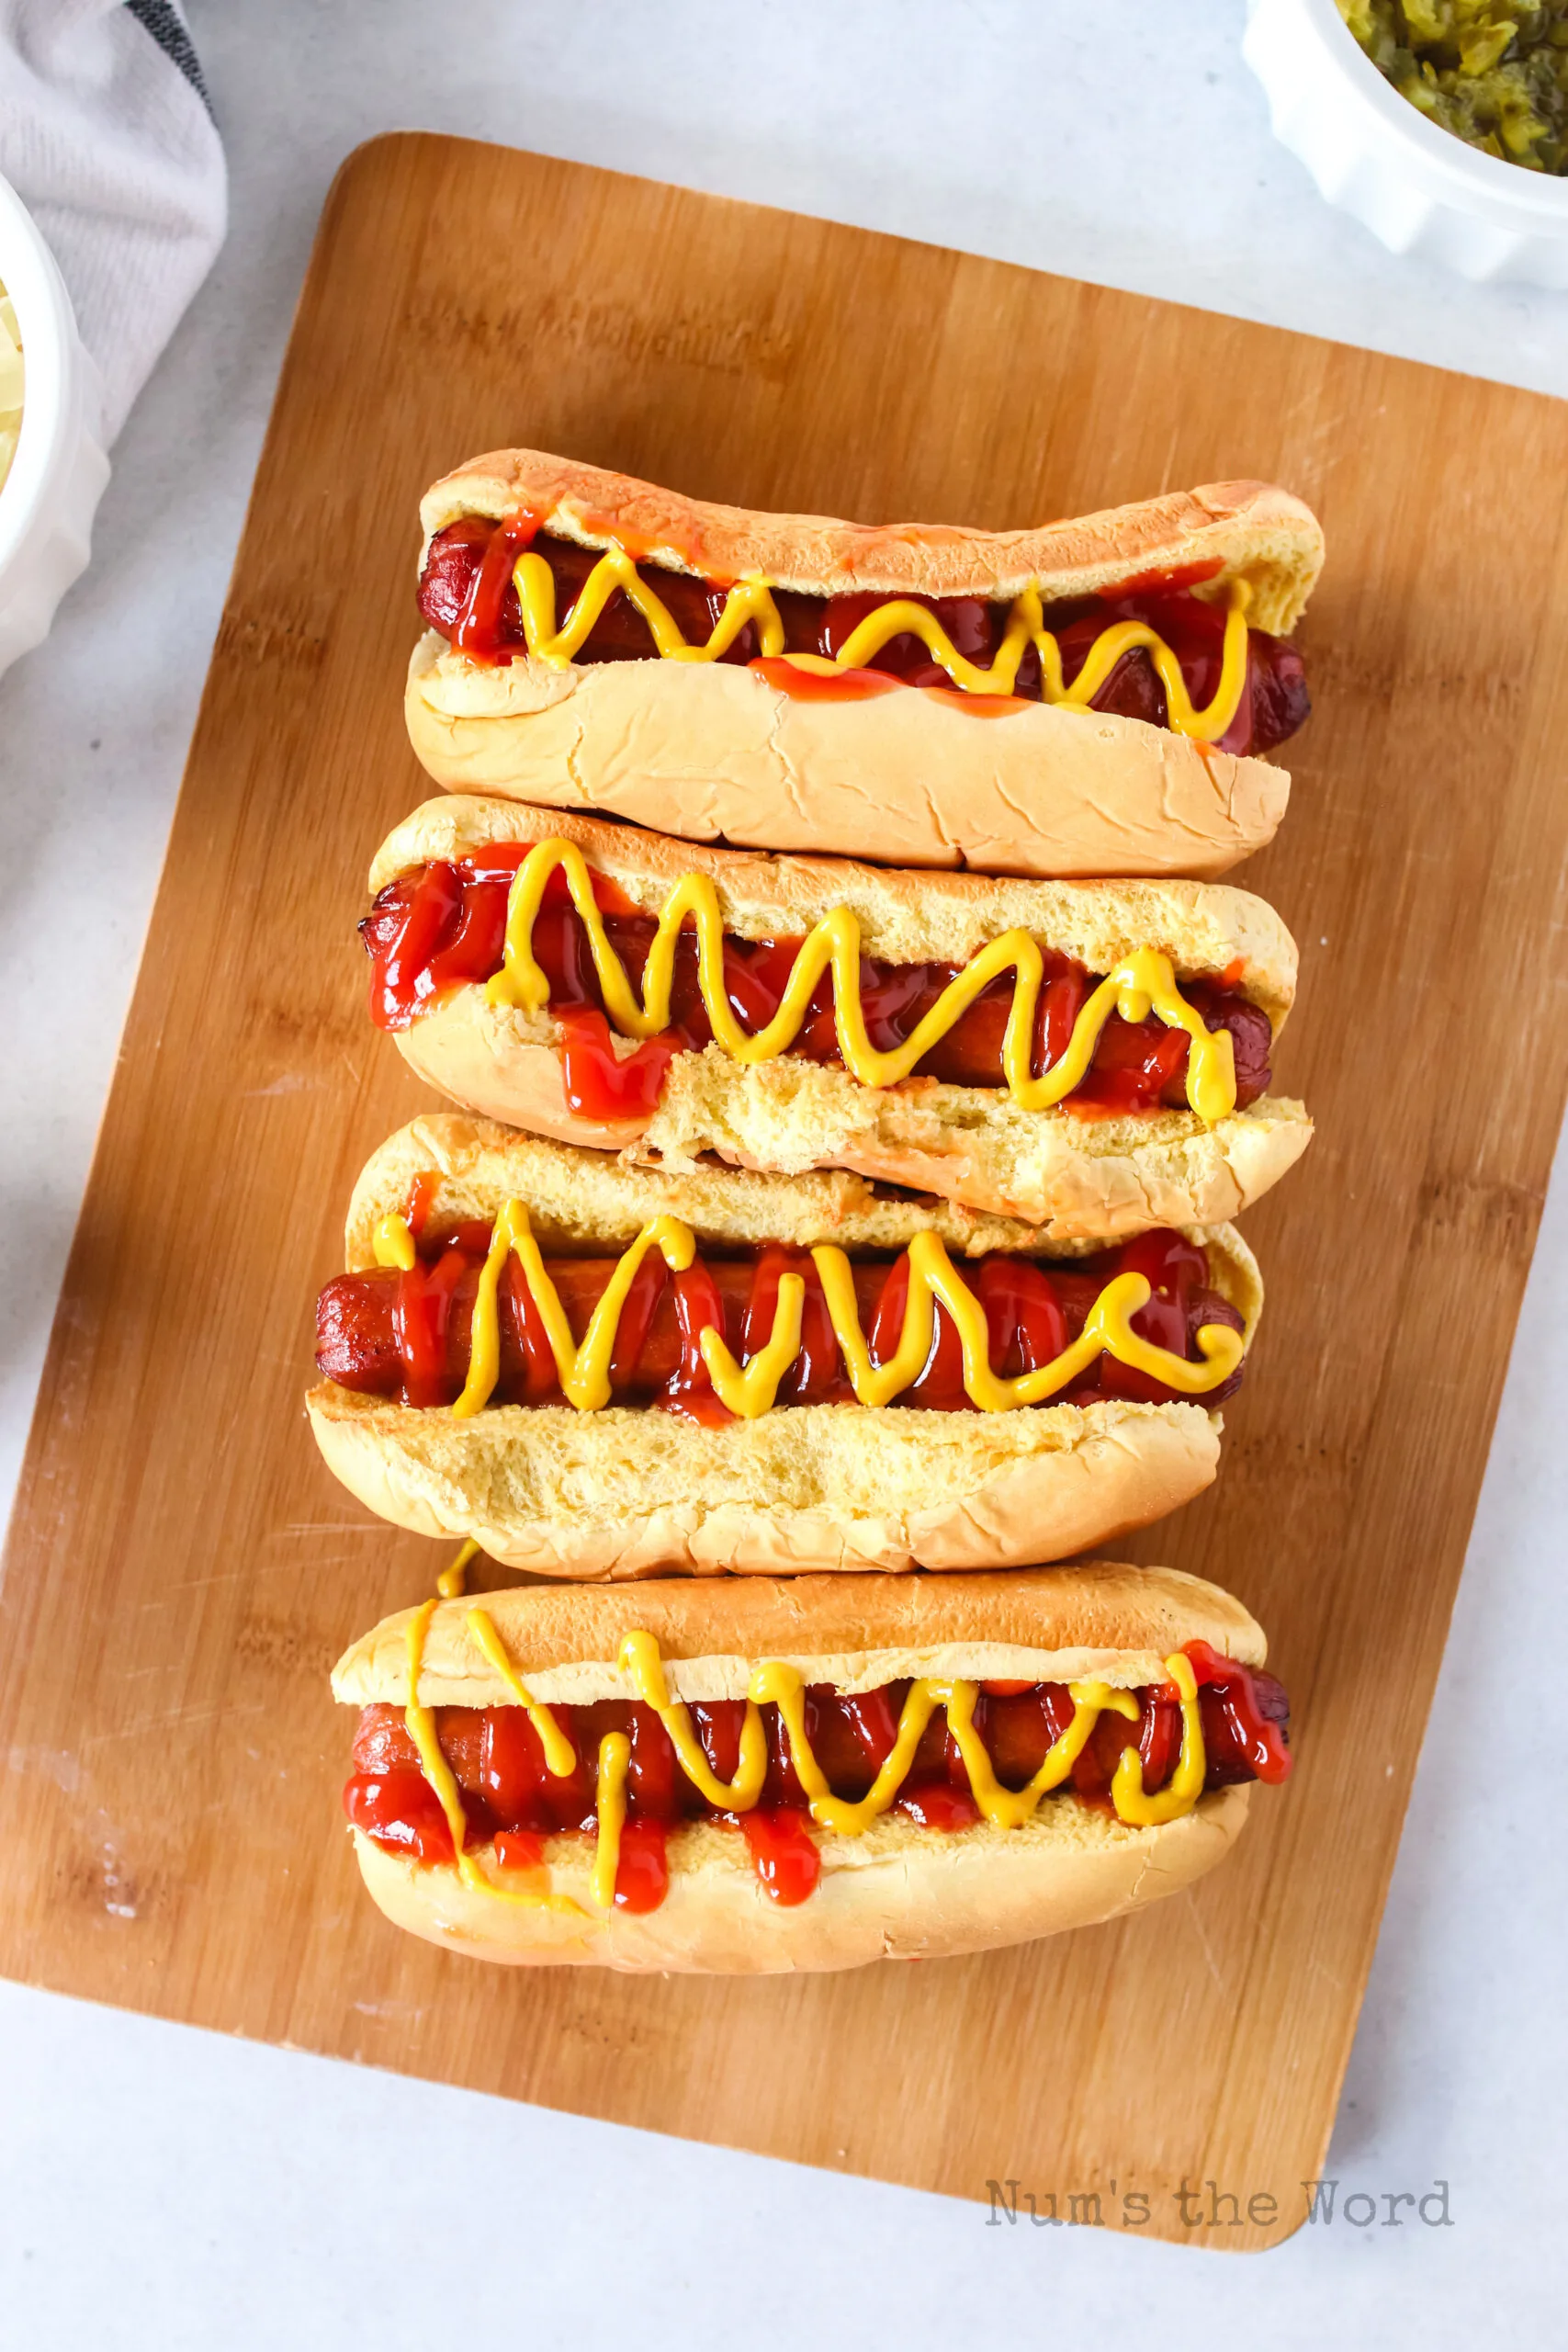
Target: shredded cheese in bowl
x=10, y=384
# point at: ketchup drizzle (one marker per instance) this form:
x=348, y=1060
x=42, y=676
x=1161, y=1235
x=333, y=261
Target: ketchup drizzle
x=508, y=1795
x=442, y=926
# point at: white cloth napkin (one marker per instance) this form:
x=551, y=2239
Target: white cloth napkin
x=106, y=137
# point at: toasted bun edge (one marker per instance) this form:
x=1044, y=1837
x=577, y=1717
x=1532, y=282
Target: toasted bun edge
x=582, y=1197
x=1096, y=1617
x=1250, y=530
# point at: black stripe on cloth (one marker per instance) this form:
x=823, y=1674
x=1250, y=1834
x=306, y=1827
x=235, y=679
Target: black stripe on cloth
x=162, y=20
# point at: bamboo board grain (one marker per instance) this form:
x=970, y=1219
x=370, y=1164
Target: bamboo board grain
x=181, y=1571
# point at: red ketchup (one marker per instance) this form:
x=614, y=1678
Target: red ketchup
x=598, y=1083
x=400, y=1809
x=784, y=1854
x=816, y=686
x=1246, y=1719
x=419, y=1325
x=519, y=1849
x=420, y=1200
x=697, y=1309
x=935, y=1804
x=444, y=925
x=642, y=1872
x=481, y=621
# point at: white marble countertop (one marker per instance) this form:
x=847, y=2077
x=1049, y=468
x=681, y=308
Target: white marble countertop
x=161, y=2186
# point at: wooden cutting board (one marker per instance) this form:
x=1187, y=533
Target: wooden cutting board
x=181, y=1570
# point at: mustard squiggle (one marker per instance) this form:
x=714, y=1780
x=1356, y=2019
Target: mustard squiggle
x=420, y=1721
x=583, y=1371
x=775, y=1683
x=1142, y=983
x=751, y=600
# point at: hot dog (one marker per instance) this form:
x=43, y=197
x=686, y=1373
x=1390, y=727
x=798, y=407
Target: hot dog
x=1093, y=1057
x=808, y=1773
x=602, y=1371
x=1085, y=698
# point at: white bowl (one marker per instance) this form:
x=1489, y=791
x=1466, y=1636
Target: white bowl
x=1417, y=187
x=59, y=473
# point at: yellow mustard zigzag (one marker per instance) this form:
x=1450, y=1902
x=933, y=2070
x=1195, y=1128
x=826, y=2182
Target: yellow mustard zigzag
x=1142, y=982
x=751, y=600
x=773, y=1683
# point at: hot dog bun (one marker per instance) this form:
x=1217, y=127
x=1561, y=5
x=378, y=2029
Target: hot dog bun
x=628, y=1492
x=1096, y=1618
x=716, y=752
x=898, y=1891
x=914, y=778
x=1073, y=1177
x=1248, y=530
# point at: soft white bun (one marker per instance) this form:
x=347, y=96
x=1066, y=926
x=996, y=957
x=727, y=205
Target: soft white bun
x=912, y=778
x=898, y=1892
x=583, y=1200
x=715, y=752
x=1073, y=1177
x=628, y=1492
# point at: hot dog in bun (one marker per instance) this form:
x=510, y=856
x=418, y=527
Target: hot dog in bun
x=808, y=1773
x=605, y=1372
x=1089, y=697
x=1091, y=1057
